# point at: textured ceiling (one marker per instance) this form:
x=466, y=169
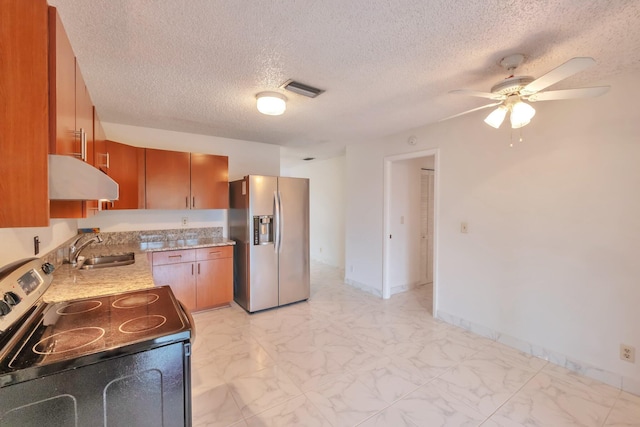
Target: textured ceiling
x=386, y=65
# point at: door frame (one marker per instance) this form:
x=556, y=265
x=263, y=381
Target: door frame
x=387, y=192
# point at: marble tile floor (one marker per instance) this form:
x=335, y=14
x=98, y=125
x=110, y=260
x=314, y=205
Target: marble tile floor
x=346, y=358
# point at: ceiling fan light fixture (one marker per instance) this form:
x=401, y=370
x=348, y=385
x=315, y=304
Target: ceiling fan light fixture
x=521, y=114
x=496, y=117
x=271, y=103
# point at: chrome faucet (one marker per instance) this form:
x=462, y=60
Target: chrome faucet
x=75, y=249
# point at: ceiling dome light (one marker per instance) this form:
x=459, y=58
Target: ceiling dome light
x=496, y=117
x=271, y=103
x=521, y=114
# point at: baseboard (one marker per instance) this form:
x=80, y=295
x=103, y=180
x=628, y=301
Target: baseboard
x=363, y=287
x=629, y=385
x=403, y=288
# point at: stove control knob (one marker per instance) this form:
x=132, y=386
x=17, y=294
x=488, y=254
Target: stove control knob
x=48, y=268
x=11, y=298
x=4, y=308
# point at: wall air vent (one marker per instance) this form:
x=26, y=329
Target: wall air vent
x=301, y=89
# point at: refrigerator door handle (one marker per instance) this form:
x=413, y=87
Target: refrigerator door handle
x=276, y=208
x=280, y=221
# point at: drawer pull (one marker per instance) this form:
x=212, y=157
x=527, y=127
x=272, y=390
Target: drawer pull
x=175, y=256
x=215, y=252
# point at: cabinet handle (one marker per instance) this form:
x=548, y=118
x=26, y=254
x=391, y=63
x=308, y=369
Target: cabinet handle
x=193, y=203
x=198, y=268
x=186, y=202
x=215, y=252
x=192, y=269
x=83, y=144
x=108, y=165
x=175, y=256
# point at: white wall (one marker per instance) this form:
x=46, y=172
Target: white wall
x=550, y=260
x=327, y=207
x=17, y=243
x=245, y=157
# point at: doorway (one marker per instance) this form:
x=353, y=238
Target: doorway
x=407, y=260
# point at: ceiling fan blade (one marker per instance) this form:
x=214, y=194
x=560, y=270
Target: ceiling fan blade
x=471, y=111
x=565, y=70
x=552, y=95
x=469, y=92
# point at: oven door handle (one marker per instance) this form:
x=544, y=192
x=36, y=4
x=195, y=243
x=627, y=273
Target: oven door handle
x=190, y=317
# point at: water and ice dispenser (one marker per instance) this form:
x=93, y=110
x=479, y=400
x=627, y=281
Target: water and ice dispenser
x=263, y=230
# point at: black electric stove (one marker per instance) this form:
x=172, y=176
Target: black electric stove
x=121, y=359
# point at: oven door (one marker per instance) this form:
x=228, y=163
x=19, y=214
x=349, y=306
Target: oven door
x=145, y=389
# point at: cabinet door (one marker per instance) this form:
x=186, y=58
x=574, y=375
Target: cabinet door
x=126, y=167
x=24, y=111
x=209, y=181
x=84, y=117
x=100, y=159
x=214, y=283
x=181, y=278
x=62, y=87
x=167, y=179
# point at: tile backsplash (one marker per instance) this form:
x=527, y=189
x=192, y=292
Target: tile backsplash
x=57, y=255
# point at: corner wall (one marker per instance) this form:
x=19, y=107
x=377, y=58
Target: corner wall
x=17, y=243
x=549, y=264
x=327, y=208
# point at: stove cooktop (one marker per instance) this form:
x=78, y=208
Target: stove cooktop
x=79, y=332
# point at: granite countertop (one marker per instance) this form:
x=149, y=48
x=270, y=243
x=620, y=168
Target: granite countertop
x=73, y=283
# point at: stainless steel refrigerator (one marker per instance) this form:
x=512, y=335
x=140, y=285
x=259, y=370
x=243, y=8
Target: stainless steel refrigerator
x=269, y=221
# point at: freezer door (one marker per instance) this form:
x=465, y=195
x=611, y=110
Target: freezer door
x=263, y=258
x=293, y=239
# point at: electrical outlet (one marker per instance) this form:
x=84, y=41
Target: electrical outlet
x=185, y=221
x=464, y=227
x=627, y=353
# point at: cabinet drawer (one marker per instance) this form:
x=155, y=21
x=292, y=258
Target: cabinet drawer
x=174, y=257
x=214, y=252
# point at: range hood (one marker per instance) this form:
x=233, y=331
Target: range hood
x=72, y=179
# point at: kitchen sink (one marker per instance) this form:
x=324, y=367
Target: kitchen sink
x=102, y=261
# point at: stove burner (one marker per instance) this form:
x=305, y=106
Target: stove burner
x=142, y=324
x=133, y=301
x=78, y=307
x=70, y=340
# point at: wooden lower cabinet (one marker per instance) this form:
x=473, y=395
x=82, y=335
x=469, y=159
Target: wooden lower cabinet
x=200, y=278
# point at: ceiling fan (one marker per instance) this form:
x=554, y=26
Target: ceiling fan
x=511, y=92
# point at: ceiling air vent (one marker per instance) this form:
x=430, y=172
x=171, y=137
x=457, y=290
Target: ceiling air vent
x=301, y=89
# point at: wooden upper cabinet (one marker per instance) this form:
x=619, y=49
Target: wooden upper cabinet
x=84, y=118
x=62, y=96
x=167, y=179
x=209, y=181
x=100, y=157
x=24, y=114
x=177, y=180
x=126, y=167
